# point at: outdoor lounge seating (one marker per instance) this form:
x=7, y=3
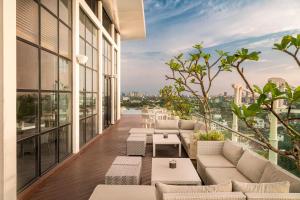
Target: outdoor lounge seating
x=219, y=162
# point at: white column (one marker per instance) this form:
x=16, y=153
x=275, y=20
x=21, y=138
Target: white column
x=100, y=11
x=237, y=100
x=8, y=171
x=113, y=106
x=119, y=77
x=273, y=134
x=100, y=70
x=76, y=75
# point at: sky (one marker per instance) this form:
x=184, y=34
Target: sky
x=174, y=26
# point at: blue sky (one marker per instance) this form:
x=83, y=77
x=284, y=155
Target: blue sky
x=174, y=26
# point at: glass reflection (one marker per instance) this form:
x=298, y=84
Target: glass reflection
x=27, y=112
x=49, y=111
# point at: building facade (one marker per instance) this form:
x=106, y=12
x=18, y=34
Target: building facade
x=60, y=80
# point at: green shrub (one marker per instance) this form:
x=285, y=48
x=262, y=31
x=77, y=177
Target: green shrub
x=212, y=135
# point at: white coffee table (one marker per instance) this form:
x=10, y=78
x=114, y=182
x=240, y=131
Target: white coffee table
x=183, y=174
x=172, y=139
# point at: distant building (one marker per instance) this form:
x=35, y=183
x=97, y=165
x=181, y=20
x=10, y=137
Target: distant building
x=260, y=123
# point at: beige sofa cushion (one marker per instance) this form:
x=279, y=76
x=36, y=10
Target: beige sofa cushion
x=167, y=124
x=169, y=131
x=273, y=196
x=187, y=124
x=252, y=166
x=205, y=196
x=232, y=151
x=186, y=133
x=117, y=192
x=162, y=188
x=213, y=161
x=273, y=173
x=276, y=187
x=223, y=175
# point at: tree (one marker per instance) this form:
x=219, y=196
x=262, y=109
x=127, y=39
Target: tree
x=175, y=102
x=195, y=75
x=267, y=95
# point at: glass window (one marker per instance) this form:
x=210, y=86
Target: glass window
x=95, y=81
x=82, y=24
x=82, y=78
x=95, y=125
x=65, y=75
x=65, y=7
x=82, y=105
x=49, y=75
x=28, y=20
x=26, y=165
x=95, y=59
x=82, y=132
x=89, y=129
x=27, y=113
x=95, y=37
x=106, y=21
x=82, y=47
x=89, y=31
x=65, y=108
x=44, y=86
x=65, y=142
x=48, y=150
x=89, y=80
x=89, y=54
x=95, y=109
x=89, y=104
x=48, y=111
x=27, y=66
x=51, y=5
x=64, y=41
x=48, y=31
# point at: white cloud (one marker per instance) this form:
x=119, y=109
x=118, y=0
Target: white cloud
x=215, y=25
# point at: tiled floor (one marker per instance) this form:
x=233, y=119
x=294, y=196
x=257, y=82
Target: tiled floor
x=77, y=180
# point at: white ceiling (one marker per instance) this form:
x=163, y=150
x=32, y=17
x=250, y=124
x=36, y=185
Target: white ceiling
x=128, y=17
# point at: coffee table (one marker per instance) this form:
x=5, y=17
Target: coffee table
x=183, y=174
x=172, y=139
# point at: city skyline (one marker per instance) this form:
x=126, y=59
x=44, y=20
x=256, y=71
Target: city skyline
x=173, y=26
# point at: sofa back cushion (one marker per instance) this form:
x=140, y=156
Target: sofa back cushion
x=164, y=188
x=252, y=166
x=187, y=124
x=166, y=124
x=232, y=151
x=273, y=173
x=276, y=187
x=206, y=196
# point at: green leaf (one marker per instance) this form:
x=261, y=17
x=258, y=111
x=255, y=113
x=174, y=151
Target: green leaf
x=257, y=89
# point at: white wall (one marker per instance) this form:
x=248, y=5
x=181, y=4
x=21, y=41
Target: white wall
x=8, y=100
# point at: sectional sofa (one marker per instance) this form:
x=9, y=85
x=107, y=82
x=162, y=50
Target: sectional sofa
x=185, y=129
x=222, y=161
x=162, y=191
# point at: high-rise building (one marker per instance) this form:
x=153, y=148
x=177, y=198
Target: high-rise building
x=60, y=80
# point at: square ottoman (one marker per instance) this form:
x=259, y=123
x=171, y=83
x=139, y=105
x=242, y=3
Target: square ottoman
x=136, y=145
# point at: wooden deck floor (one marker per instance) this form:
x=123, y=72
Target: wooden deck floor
x=78, y=179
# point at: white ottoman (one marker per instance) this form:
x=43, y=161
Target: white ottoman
x=143, y=131
x=124, y=171
x=136, y=145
